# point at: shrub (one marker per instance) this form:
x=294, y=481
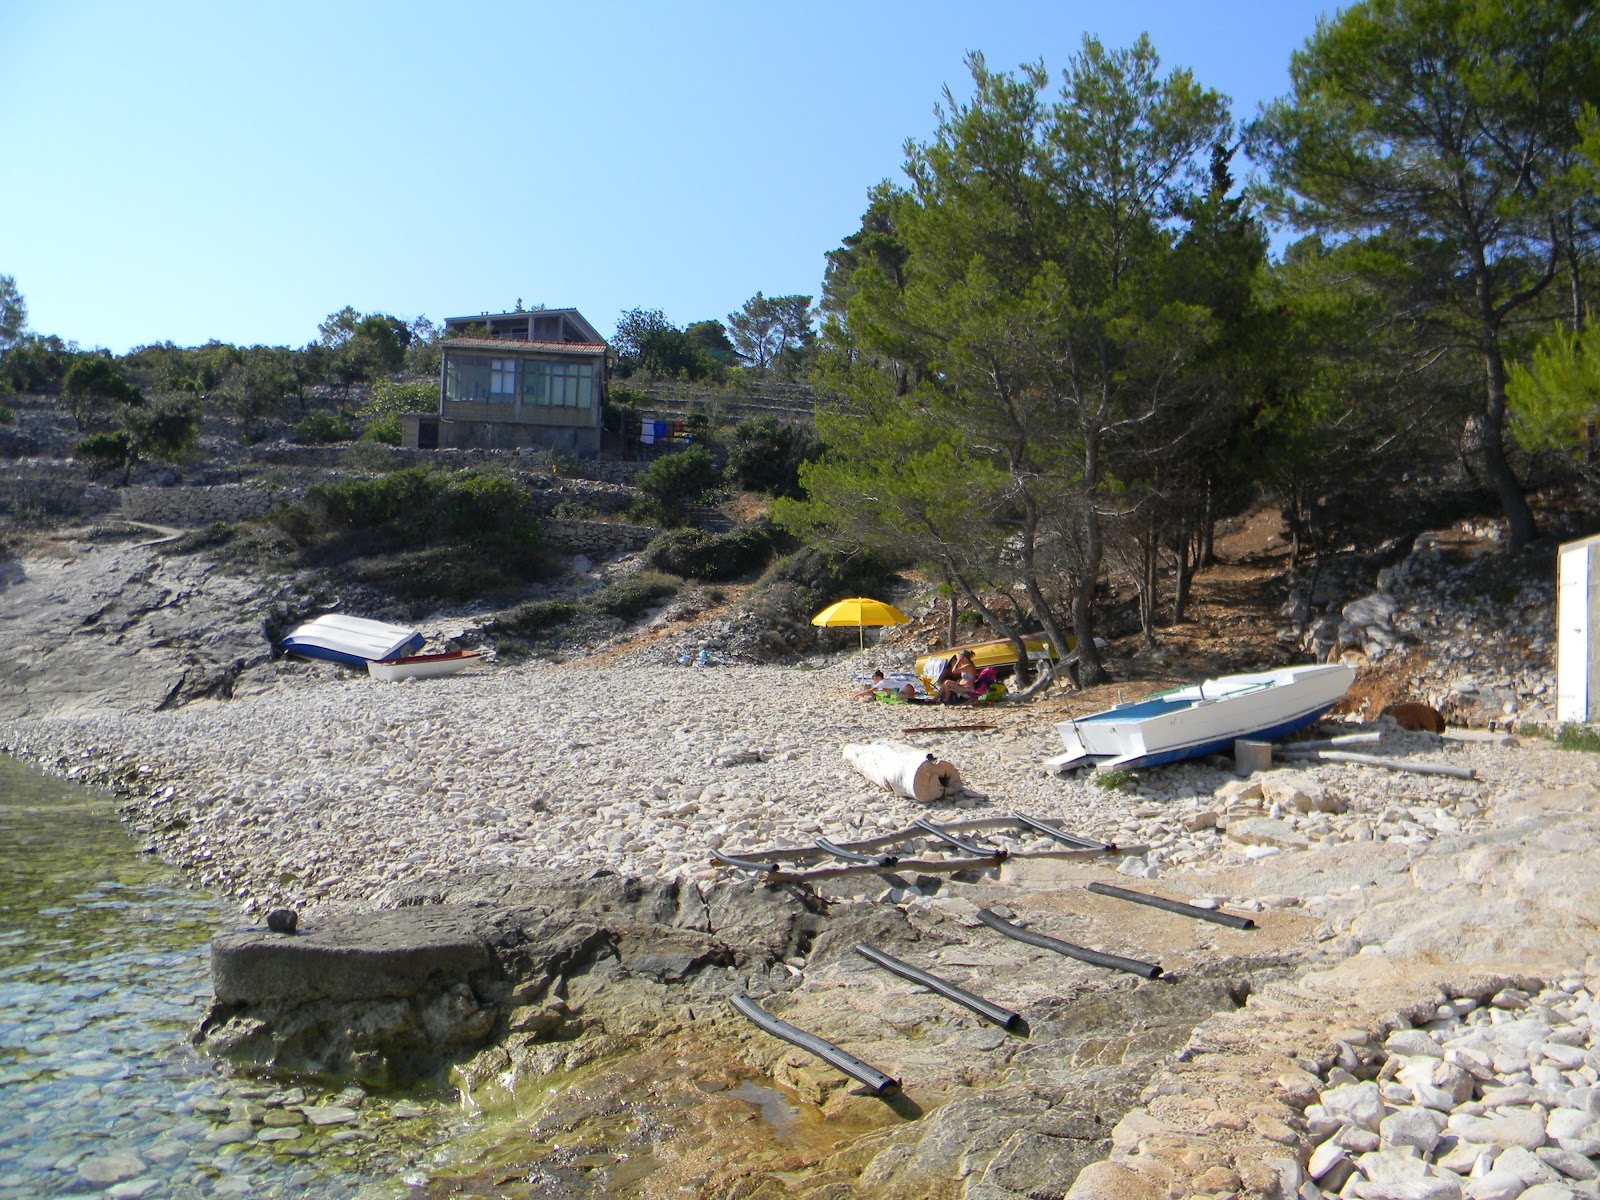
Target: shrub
x=712, y=558
x=535, y=617
x=385, y=429
x=108, y=450
x=1578, y=737
x=425, y=505
x=632, y=594
x=764, y=455
x=319, y=428
x=821, y=578
x=6, y=415
x=674, y=480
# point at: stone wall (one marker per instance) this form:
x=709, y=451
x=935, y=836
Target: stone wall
x=595, y=537
x=61, y=497
x=195, y=506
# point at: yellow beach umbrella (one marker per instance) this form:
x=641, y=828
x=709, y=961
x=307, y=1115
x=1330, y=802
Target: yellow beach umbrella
x=860, y=612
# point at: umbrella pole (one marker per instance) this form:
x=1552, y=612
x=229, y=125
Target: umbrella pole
x=861, y=636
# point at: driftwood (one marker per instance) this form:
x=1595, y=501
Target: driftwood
x=1394, y=764
x=905, y=770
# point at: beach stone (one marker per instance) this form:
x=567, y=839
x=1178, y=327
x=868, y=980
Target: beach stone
x=1426, y=1188
x=283, y=920
x=329, y=1114
x=104, y=1169
x=228, y=1135
x=1417, y=1127
x=1325, y=1158
x=1573, y=1166
x=1412, y=1043
x=1359, y=1103
x=1267, y=832
x=1299, y=792
x=1548, y=1191
x=1523, y=1128
x=1494, y=1185
x=1565, y=1123
x=1525, y=1165
x=1113, y=1181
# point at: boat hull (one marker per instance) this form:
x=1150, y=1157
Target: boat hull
x=999, y=653
x=1204, y=719
x=423, y=666
x=353, y=641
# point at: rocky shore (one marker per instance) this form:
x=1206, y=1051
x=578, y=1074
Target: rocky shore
x=1383, y=899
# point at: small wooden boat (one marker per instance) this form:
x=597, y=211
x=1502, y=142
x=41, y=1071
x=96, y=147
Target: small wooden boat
x=1203, y=718
x=423, y=666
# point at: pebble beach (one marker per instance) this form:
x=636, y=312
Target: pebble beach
x=328, y=785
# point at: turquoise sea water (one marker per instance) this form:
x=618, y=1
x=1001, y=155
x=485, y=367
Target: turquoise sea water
x=104, y=961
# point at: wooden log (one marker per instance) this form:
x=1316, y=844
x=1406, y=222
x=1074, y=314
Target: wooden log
x=905, y=770
x=1394, y=764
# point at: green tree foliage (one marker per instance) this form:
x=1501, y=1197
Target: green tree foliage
x=772, y=333
x=363, y=347
x=321, y=427
x=765, y=455
x=165, y=430
x=710, y=337
x=13, y=313
x=1555, y=397
x=675, y=480
x=1450, y=128
x=94, y=389
x=257, y=384
x=36, y=363
x=646, y=341
x=1013, y=339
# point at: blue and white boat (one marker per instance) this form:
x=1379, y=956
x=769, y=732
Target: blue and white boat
x=1203, y=718
x=354, y=641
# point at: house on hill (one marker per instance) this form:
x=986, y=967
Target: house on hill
x=516, y=379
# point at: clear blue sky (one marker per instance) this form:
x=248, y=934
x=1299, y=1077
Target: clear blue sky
x=187, y=171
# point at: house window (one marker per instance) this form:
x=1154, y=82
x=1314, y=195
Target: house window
x=467, y=378
x=503, y=379
x=558, y=384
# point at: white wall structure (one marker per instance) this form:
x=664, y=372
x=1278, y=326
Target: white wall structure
x=1578, y=631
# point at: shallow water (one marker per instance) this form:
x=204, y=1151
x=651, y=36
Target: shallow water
x=104, y=970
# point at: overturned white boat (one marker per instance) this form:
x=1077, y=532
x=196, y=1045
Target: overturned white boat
x=1202, y=718
x=354, y=641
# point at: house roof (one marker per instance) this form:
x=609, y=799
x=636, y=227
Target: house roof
x=573, y=314
x=519, y=346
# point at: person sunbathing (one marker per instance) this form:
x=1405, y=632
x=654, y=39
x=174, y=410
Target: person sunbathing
x=878, y=685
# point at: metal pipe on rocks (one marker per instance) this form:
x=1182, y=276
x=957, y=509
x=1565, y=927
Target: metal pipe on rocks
x=812, y=1044
x=1097, y=958
x=966, y=847
x=1215, y=916
x=850, y=856
x=1003, y=1017
x=1066, y=839
x=744, y=864
x=1392, y=764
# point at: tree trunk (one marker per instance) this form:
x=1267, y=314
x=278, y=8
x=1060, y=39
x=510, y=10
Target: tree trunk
x=950, y=626
x=1090, y=669
x=905, y=770
x=1519, y=517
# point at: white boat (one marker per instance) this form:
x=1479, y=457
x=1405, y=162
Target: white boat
x=354, y=641
x=423, y=666
x=1203, y=718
